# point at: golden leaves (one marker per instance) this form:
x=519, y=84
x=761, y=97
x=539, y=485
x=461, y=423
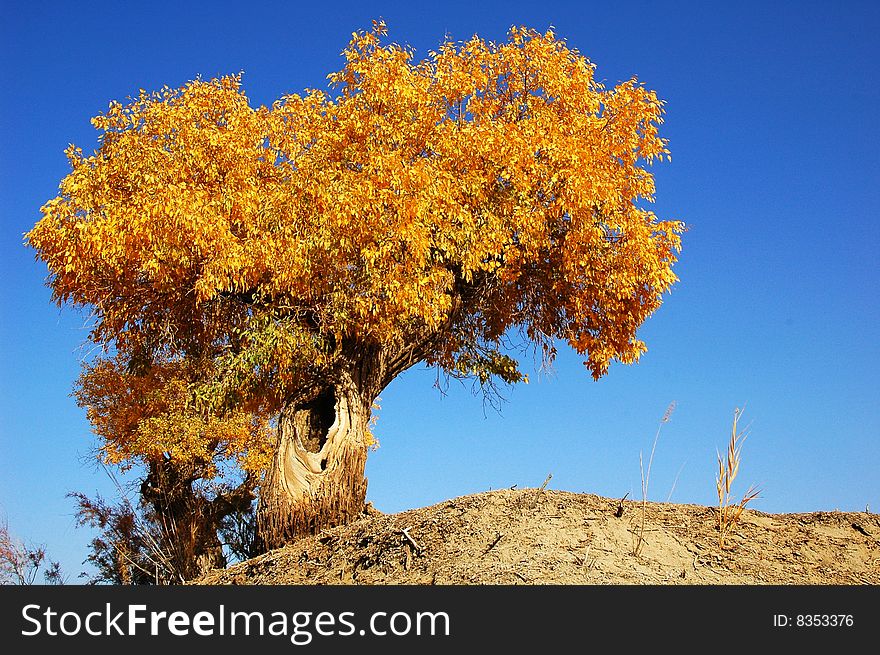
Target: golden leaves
x=488, y=187
x=149, y=411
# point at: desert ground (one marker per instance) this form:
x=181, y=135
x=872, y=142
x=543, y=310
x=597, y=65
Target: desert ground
x=544, y=537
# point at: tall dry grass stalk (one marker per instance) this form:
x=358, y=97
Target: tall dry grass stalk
x=639, y=533
x=728, y=467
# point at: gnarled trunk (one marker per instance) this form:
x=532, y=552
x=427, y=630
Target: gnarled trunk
x=317, y=477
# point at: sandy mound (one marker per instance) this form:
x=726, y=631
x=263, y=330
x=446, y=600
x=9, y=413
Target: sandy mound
x=530, y=536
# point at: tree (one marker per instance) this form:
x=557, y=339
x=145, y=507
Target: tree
x=200, y=470
x=290, y=261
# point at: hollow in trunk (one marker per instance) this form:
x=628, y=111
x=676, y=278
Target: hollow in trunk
x=316, y=480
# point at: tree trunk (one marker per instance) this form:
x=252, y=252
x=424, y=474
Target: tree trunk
x=317, y=478
x=188, y=544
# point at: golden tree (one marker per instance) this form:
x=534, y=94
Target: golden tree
x=201, y=469
x=292, y=260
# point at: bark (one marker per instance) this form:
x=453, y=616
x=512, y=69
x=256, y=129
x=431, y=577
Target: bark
x=317, y=478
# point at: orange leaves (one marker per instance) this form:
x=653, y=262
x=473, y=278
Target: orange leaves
x=148, y=412
x=493, y=184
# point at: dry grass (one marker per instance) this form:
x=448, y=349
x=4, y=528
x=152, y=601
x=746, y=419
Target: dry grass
x=639, y=532
x=728, y=467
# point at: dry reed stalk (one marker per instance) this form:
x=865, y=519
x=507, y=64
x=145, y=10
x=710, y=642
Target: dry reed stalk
x=728, y=468
x=646, y=476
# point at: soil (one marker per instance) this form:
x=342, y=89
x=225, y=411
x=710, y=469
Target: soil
x=534, y=536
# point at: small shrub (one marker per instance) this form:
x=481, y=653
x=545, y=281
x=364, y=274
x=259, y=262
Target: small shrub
x=20, y=563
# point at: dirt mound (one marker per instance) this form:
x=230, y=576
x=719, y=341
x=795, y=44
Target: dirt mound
x=530, y=536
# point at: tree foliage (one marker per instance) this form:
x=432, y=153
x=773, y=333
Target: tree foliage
x=147, y=415
x=235, y=258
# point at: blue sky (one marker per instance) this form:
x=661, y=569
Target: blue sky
x=772, y=118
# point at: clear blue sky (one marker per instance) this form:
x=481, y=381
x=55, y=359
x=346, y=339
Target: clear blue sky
x=772, y=118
